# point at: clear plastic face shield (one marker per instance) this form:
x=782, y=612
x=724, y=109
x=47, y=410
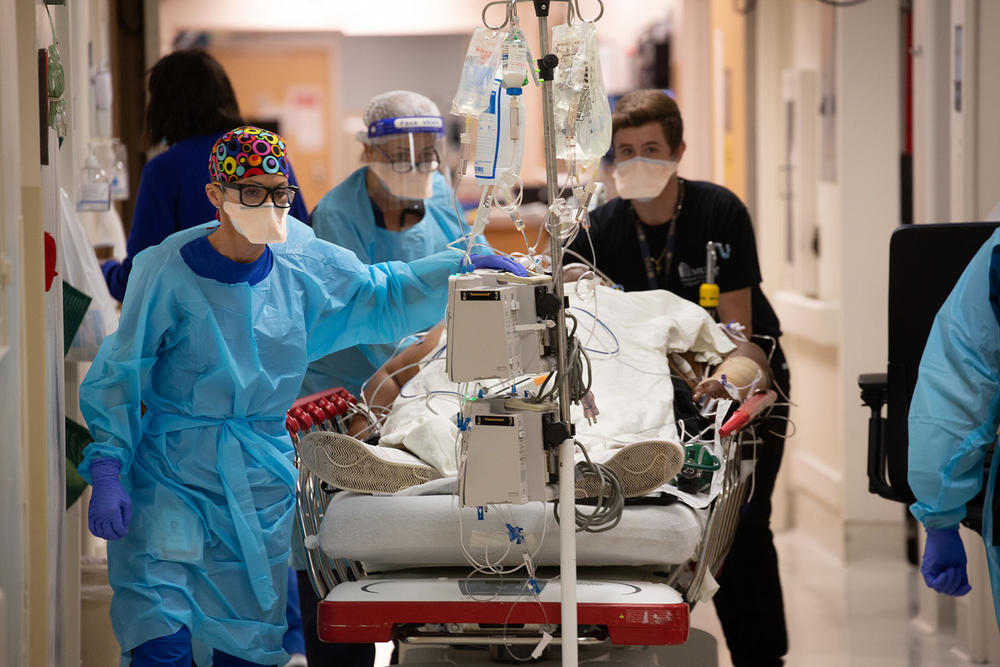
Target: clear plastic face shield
x=405, y=152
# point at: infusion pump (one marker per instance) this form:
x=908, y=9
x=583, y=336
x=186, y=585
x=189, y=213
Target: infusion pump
x=508, y=455
x=500, y=326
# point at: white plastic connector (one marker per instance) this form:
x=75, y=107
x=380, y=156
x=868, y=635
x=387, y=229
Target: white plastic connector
x=515, y=119
x=465, y=138
x=483, y=212
x=463, y=163
x=542, y=645
x=583, y=198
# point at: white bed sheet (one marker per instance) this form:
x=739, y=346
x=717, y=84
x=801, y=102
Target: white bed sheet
x=631, y=377
x=394, y=532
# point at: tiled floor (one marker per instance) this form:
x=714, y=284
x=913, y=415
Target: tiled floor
x=857, y=616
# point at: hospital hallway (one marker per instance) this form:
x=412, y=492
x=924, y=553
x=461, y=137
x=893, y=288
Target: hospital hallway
x=369, y=238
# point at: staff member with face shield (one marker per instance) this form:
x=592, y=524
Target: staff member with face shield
x=654, y=236
x=191, y=466
x=398, y=206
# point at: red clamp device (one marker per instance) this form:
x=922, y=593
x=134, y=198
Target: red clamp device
x=750, y=408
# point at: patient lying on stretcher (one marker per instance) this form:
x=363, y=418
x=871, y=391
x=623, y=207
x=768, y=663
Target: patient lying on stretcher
x=641, y=344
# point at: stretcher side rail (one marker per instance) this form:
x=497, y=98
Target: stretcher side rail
x=324, y=411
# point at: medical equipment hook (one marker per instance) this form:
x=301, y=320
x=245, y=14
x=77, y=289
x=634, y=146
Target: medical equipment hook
x=541, y=10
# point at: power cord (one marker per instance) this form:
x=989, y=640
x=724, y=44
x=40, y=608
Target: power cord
x=610, y=501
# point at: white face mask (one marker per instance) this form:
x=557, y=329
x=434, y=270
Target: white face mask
x=642, y=178
x=413, y=184
x=259, y=224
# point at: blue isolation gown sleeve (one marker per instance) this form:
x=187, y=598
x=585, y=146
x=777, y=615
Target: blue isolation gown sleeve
x=955, y=409
x=348, y=302
x=112, y=391
x=345, y=217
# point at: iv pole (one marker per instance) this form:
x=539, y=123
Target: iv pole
x=567, y=486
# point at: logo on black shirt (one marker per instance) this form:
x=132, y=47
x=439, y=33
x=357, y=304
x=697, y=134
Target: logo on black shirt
x=690, y=277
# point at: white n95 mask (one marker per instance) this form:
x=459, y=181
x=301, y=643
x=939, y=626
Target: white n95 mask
x=642, y=178
x=258, y=224
x=413, y=184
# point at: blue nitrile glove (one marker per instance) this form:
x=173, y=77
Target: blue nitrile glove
x=497, y=262
x=110, y=507
x=944, y=562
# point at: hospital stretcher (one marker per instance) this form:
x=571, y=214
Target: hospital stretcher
x=395, y=589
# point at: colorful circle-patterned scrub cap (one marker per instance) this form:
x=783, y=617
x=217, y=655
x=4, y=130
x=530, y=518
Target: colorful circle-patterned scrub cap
x=247, y=151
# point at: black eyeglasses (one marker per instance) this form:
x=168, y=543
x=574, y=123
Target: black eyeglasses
x=400, y=161
x=252, y=194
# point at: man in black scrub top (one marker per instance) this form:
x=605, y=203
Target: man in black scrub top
x=654, y=236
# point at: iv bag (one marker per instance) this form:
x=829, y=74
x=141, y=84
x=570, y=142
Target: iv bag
x=481, y=63
x=581, y=108
x=496, y=153
x=119, y=171
x=514, y=57
x=93, y=187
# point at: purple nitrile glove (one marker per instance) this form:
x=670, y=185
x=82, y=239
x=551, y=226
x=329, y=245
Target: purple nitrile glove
x=497, y=262
x=944, y=562
x=110, y=507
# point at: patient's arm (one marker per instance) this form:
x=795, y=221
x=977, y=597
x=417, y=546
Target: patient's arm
x=741, y=367
x=735, y=306
x=384, y=385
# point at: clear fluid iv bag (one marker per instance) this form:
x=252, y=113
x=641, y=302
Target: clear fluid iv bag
x=481, y=63
x=581, y=108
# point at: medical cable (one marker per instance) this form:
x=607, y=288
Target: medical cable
x=542, y=227
x=753, y=473
x=593, y=289
x=546, y=637
x=495, y=567
x=364, y=385
x=458, y=209
x=603, y=325
x=609, y=503
x=734, y=330
x=589, y=263
x=578, y=370
x=785, y=419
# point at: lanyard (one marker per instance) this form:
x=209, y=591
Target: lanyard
x=668, y=250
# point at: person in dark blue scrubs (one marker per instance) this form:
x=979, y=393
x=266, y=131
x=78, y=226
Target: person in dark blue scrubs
x=191, y=105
